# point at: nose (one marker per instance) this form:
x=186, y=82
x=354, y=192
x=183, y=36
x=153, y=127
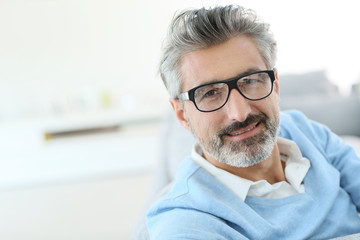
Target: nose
x=237, y=107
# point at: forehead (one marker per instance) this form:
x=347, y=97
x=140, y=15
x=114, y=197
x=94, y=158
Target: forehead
x=223, y=61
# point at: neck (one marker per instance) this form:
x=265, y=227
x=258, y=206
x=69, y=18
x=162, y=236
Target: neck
x=271, y=169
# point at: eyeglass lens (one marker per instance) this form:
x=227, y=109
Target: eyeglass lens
x=214, y=96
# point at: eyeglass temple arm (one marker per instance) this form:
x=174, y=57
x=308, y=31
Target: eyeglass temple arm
x=184, y=96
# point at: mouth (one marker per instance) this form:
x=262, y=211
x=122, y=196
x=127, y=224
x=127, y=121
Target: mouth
x=244, y=130
x=239, y=131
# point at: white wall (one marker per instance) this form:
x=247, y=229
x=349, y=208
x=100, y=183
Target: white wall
x=63, y=57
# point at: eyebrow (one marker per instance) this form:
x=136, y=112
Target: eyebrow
x=248, y=71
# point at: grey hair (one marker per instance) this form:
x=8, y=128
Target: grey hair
x=196, y=29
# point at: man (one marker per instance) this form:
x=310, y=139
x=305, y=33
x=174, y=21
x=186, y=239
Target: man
x=255, y=173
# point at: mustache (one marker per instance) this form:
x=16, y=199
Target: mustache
x=239, y=125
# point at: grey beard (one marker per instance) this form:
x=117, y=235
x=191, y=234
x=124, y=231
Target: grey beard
x=247, y=152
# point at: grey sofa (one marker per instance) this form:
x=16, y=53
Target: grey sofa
x=313, y=94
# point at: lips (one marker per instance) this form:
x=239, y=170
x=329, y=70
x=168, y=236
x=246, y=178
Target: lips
x=239, y=128
x=244, y=130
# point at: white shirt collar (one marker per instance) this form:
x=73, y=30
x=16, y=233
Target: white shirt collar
x=296, y=168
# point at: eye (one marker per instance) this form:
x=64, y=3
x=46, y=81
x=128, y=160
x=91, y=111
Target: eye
x=250, y=81
x=210, y=93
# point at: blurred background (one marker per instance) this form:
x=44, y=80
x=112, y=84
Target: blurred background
x=81, y=102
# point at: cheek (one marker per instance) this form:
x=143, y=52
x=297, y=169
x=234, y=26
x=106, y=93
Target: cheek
x=273, y=105
x=275, y=102
x=204, y=125
x=269, y=106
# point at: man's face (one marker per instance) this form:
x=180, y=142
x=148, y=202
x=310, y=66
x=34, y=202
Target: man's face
x=243, y=132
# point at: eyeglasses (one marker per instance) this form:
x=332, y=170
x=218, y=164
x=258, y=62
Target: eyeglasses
x=213, y=96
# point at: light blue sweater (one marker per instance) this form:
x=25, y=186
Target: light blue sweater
x=200, y=207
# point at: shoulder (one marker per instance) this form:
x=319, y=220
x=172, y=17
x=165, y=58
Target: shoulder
x=177, y=196
x=311, y=136
x=293, y=117
x=295, y=124
x=190, y=183
x=190, y=206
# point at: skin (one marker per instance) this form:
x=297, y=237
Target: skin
x=229, y=59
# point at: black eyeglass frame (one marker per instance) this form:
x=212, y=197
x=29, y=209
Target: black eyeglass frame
x=232, y=84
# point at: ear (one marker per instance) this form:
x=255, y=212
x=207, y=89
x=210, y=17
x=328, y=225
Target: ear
x=276, y=82
x=179, y=112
